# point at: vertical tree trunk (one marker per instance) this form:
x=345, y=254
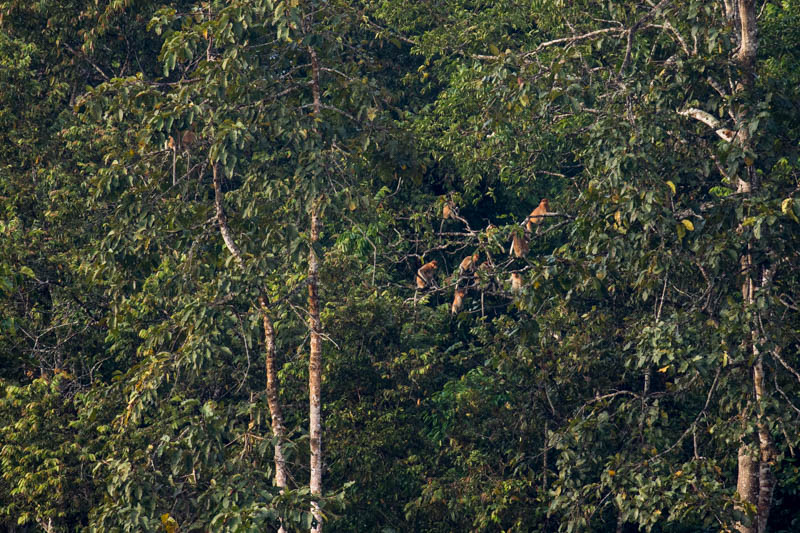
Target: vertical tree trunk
x=278, y=430
x=544, y=459
x=315, y=328
x=756, y=481
x=315, y=372
x=746, y=484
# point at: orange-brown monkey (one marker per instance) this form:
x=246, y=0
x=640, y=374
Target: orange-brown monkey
x=458, y=300
x=468, y=263
x=447, y=211
x=516, y=282
x=535, y=216
x=172, y=145
x=425, y=274
x=188, y=139
x=486, y=269
x=519, y=245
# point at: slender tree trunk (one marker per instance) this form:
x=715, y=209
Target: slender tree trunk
x=315, y=372
x=766, y=479
x=278, y=429
x=756, y=481
x=544, y=458
x=273, y=401
x=746, y=483
x=315, y=328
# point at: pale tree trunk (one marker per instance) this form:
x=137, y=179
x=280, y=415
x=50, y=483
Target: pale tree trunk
x=315, y=373
x=278, y=429
x=756, y=481
x=273, y=402
x=315, y=330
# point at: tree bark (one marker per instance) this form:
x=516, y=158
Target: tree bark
x=273, y=401
x=756, y=481
x=315, y=328
x=315, y=373
x=746, y=485
x=766, y=479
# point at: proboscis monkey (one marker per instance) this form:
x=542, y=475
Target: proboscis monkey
x=535, y=216
x=516, y=282
x=447, y=210
x=468, y=263
x=425, y=274
x=486, y=269
x=458, y=300
x=188, y=139
x=172, y=145
x=519, y=245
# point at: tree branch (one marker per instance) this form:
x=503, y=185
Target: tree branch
x=709, y=120
x=86, y=58
x=633, y=29
x=222, y=219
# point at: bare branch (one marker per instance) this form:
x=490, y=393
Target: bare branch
x=570, y=40
x=709, y=120
x=330, y=108
x=222, y=219
x=633, y=29
x=86, y=58
x=776, y=353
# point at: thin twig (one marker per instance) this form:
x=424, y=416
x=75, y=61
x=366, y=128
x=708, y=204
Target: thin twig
x=85, y=57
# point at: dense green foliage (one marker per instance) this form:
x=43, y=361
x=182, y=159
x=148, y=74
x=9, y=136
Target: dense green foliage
x=612, y=393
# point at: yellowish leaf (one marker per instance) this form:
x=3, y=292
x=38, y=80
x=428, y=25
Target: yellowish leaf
x=687, y=224
x=169, y=523
x=786, y=208
x=664, y=369
x=672, y=187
